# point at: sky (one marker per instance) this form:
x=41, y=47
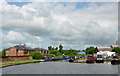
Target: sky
x=75, y=25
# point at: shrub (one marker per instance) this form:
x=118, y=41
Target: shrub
x=36, y=55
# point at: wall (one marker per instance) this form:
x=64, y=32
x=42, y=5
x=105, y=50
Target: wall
x=10, y=58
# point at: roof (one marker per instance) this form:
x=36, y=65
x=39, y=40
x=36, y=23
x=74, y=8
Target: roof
x=21, y=48
x=40, y=49
x=104, y=48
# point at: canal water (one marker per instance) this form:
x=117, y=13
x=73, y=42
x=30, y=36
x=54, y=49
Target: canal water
x=62, y=67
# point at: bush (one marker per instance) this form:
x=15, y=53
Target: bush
x=49, y=55
x=36, y=55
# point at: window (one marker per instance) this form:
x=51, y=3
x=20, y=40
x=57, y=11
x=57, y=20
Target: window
x=13, y=50
x=19, y=50
x=8, y=50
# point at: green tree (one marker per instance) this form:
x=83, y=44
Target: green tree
x=50, y=48
x=56, y=48
x=116, y=49
x=36, y=55
x=3, y=52
x=55, y=52
x=90, y=50
x=60, y=48
x=53, y=48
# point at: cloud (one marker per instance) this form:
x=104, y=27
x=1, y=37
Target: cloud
x=63, y=23
x=13, y=38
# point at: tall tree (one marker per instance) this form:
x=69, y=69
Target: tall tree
x=60, y=48
x=3, y=52
x=56, y=48
x=90, y=50
x=53, y=48
x=50, y=48
x=116, y=49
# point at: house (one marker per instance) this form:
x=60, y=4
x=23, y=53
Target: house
x=106, y=53
x=23, y=50
x=104, y=49
x=42, y=51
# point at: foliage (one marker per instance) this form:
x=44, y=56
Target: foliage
x=90, y=50
x=49, y=55
x=36, y=55
x=116, y=49
x=60, y=48
x=49, y=47
x=3, y=52
x=70, y=52
x=56, y=48
x=55, y=52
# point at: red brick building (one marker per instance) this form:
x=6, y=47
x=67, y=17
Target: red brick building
x=23, y=50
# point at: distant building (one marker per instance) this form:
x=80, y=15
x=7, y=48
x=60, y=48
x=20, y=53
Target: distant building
x=23, y=50
x=104, y=49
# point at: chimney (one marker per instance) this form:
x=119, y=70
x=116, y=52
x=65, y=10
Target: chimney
x=19, y=44
x=24, y=44
x=116, y=42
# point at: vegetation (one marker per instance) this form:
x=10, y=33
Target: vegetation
x=60, y=48
x=90, y=50
x=55, y=52
x=36, y=55
x=50, y=48
x=116, y=49
x=3, y=52
x=71, y=52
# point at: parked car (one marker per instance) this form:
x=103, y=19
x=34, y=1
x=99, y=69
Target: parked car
x=90, y=59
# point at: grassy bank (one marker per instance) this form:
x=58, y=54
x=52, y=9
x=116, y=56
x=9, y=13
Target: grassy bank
x=17, y=62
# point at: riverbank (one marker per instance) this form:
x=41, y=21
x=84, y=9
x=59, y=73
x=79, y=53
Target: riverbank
x=83, y=60
x=17, y=62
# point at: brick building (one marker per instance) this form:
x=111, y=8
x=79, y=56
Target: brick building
x=23, y=50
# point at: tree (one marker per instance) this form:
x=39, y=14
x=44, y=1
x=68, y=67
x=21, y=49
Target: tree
x=55, y=52
x=3, y=52
x=60, y=48
x=116, y=49
x=50, y=48
x=56, y=48
x=90, y=50
x=53, y=48
x=36, y=55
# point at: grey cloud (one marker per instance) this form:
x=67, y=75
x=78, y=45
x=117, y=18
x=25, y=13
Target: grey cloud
x=94, y=25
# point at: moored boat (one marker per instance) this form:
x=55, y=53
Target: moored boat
x=116, y=59
x=90, y=59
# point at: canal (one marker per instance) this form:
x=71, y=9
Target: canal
x=62, y=67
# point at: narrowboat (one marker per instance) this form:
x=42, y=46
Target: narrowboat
x=99, y=58
x=90, y=59
x=116, y=59
x=72, y=58
x=46, y=58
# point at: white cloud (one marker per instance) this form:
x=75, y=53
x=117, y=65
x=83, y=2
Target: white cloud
x=13, y=38
x=92, y=25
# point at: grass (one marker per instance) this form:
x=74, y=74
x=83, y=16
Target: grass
x=7, y=63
